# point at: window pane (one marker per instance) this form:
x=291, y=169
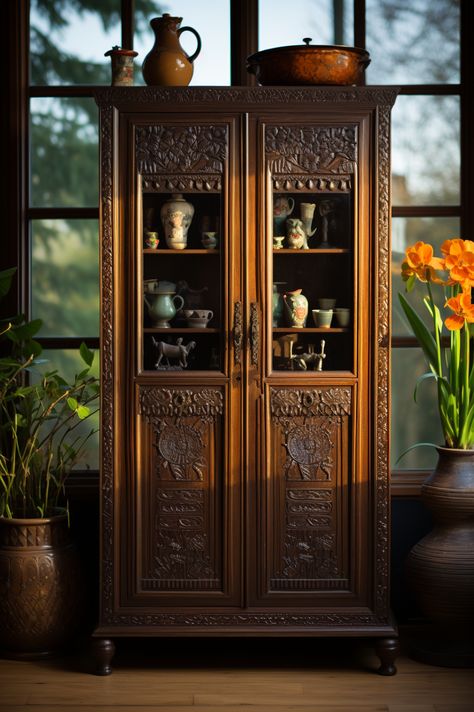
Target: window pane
x=405, y=232
x=326, y=21
x=414, y=42
x=68, y=363
x=69, y=39
x=64, y=162
x=211, y=20
x=413, y=422
x=426, y=150
x=65, y=277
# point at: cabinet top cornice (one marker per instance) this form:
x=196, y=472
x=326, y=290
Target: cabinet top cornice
x=244, y=97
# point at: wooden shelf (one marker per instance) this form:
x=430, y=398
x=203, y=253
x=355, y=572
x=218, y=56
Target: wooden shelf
x=309, y=330
x=179, y=330
x=316, y=250
x=186, y=251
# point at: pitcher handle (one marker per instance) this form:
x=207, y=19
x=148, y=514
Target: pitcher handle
x=198, y=48
x=292, y=206
x=178, y=296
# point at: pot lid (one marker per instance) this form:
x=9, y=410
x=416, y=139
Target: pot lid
x=307, y=46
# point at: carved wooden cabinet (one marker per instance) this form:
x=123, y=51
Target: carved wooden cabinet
x=245, y=478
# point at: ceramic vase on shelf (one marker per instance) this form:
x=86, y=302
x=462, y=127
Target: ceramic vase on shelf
x=176, y=215
x=296, y=308
x=283, y=206
x=307, y=215
x=277, y=303
x=122, y=66
x=440, y=567
x=167, y=64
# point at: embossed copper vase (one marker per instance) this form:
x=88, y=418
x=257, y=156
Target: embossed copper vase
x=40, y=587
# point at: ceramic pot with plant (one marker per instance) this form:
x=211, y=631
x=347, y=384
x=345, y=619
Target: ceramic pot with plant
x=40, y=412
x=440, y=567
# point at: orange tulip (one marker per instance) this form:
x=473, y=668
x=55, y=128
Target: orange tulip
x=421, y=262
x=463, y=311
x=459, y=260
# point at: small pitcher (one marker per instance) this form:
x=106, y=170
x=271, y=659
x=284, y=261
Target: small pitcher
x=167, y=64
x=163, y=307
x=283, y=206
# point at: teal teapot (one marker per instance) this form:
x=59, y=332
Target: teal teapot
x=162, y=308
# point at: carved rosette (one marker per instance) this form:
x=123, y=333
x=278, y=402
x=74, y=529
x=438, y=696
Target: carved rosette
x=310, y=151
x=174, y=150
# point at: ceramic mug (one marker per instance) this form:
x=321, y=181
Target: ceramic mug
x=322, y=317
x=343, y=316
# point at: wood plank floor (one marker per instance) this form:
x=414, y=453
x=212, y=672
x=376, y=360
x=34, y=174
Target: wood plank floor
x=235, y=676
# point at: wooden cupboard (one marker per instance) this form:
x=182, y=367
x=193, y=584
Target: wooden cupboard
x=244, y=491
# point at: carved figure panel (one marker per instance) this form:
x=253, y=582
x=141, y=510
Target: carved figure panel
x=181, y=149
x=311, y=149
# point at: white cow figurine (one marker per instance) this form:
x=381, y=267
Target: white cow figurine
x=178, y=351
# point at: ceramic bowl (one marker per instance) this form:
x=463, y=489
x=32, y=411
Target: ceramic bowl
x=197, y=322
x=343, y=316
x=322, y=317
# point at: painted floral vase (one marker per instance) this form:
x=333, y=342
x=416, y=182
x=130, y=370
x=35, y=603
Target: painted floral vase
x=296, y=308
x=176, y=215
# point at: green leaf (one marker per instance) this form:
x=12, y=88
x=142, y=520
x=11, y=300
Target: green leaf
x=423, y=335
x=412, y=447
x=83, y=412
x=87, y=354
x=410, y=283
x=422, y=378
x=72, y=403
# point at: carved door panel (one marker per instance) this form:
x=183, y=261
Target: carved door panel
x=182, y=541
x=312, y=492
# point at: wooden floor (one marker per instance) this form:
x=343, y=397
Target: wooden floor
x=235, y=676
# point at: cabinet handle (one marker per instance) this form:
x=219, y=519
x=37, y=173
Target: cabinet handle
x=238, y=332
x=254, y=334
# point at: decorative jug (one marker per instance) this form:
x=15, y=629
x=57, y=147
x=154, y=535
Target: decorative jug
x=277, y=303
x=162, y=308
x=296, y=234
x=167, y=64
x=283, y=206
x=296, y=308
x=176, y=215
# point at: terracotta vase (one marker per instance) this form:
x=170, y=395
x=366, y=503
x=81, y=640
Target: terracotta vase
x=440, y=567
x=167, y=64
x=41, y=599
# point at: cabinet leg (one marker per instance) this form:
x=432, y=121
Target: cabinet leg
x=103, y=650
x=387, y=650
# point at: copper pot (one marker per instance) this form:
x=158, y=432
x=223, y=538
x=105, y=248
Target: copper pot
x=299, y=65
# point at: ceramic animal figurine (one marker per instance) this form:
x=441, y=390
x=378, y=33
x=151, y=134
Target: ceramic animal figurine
x=178, y=351
x=296, y=234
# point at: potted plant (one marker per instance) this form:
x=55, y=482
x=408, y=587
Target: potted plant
x=441, y=566
x=39, y=415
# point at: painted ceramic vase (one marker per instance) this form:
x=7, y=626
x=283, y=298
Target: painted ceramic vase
x=167, y=64
x=296, y=308
x=277, y=303
x=176, y=215
x=122, y=66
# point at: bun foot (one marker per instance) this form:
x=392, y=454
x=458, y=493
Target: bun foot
x=387, y=649
x=103, y=650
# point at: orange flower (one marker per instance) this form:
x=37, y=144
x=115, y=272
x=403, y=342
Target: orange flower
x=459, y=260
x=421, y=263
x=463, y=311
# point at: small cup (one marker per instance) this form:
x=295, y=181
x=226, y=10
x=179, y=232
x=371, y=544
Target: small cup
x=278, y=241
x=209, y=240
x=150, y=286
x=343, y=316
x=151, y=240
x=322, y=317
x=326, y=303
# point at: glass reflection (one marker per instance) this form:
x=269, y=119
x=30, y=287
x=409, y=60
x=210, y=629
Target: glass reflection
x=415, y=42
x=413, y=422
x=425, y=150
x=63, y=152
x=326, y=22
x=65, y=276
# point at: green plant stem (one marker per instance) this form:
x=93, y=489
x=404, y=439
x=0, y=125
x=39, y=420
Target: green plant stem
x=439, y=364
x=465, y=390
